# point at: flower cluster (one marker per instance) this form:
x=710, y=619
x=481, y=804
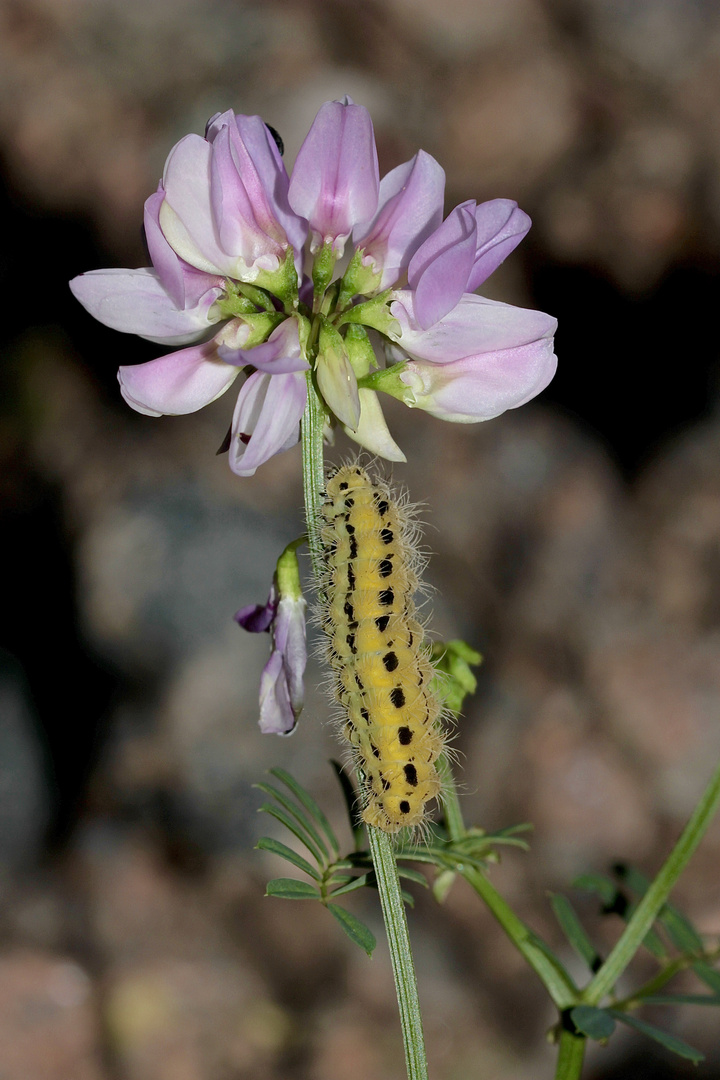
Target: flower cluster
x=231, y=237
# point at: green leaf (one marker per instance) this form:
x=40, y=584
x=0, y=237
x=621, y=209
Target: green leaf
x=574, y=932
x=285, y=819
x=266, y=843
x=357, y=931
x=413, y=875
x=670, y=1042
x=681, y=999
x=678, y=927
x=290, y=889
x=356, y=883
x=352, y=803
x=615, y=902
x=309, y=803
x=442, y=885
x=316, y=846
x=595, y=1023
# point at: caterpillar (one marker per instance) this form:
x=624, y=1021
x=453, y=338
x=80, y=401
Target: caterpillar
x=382, y=673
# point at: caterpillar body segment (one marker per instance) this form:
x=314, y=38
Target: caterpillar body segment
x=375, y=646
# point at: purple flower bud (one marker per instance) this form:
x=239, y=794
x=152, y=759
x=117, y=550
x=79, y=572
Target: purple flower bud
x=257, y=618
x=281, y=684
x=335, y=179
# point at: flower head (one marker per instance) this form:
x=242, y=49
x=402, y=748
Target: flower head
x=227, y=231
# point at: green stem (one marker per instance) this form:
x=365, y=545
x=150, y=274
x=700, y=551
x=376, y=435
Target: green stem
x=556, y=980
x=396, y=926
x=571, y=1053
x=380, y=844
x=450, y=801
x=554, y=977
x=649, y=907
x=313, y=471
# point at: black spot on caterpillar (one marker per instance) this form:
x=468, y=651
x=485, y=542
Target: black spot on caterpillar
x=381, y=669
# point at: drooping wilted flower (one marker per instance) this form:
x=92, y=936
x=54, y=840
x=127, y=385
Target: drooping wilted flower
x=283, y=616
x=227, y=231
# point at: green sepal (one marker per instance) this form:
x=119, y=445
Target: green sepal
x=357, y=931
x=375, y=313
x=267, y=843
x=282, y=282
x=358, y=280
x=388, y=381
x=289, y=889
x=233, y=304
x=261, y=326
x=323, y=267
x=596, y=1023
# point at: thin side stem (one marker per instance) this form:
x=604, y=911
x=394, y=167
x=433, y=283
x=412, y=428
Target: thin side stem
x=555, y=979
x=380, y=845
x=649, y=907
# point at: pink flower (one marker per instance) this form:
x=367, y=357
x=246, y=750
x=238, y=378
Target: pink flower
x=227, y=231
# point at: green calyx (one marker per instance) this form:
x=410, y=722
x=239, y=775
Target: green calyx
x=358, y=280
x=389, y=382
x=323, y=268
x=287, y=572
x=374, y=313
x=282, y=283
x=261, y=325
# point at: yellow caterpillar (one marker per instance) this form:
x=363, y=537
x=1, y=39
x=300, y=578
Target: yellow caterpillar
x=375, y=647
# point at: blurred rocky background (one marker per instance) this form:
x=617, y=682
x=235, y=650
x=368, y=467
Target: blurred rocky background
x=576, y=542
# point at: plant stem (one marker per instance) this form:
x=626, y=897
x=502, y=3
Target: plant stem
x=396, y=926
x=313, y=471
x=547, y=967
x=649, y=907
x=380, y=845
x=556, y=980
x=571, y=1054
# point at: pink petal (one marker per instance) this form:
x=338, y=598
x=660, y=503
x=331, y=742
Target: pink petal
x=475, y=325
x=439, y=269
x=186, y=216
x=410, y=208
x=266, y=419
x=501, y=225
x=335, y=180
x=135, y=302
x=181, y=382
x=481, y=387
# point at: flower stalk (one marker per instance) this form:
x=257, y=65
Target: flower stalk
x=381, y=849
